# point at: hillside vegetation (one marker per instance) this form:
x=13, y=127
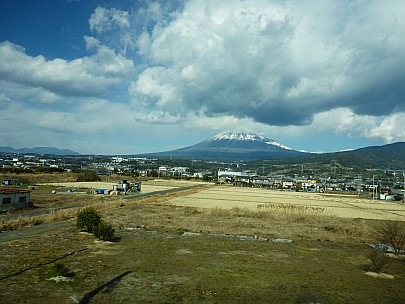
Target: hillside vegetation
x=380, y=157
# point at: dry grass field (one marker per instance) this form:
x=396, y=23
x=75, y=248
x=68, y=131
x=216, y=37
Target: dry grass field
x=344, y=206
x=209, y=245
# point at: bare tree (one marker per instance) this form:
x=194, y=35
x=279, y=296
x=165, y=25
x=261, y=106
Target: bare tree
x=393, y=234
x=379, y=261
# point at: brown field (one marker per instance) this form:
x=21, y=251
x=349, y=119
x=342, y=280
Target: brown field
x=259, y=199
x=208, y=245
x=227, y=197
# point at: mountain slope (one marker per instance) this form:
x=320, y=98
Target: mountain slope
x=240, y=145
x=38, y=150
x=383, y=157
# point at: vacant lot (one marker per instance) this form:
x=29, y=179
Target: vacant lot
x=329, y=204
x=147, y=186
x=273, y=254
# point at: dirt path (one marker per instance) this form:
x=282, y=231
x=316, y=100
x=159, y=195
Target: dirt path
x=7, y=236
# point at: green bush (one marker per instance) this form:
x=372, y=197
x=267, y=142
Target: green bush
x=104, y=231
x=88, y=219
x=87, y=176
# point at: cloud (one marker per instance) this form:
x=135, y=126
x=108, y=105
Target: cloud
x=4, y=100
x=157, y=118
x=104, y=20
x=91, y=42
x=390, y=130
x=287, y=70
x=95, y=75
x=387, y=129
x=277, y=63
x=93, y=119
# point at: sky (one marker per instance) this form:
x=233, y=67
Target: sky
x=137, y=76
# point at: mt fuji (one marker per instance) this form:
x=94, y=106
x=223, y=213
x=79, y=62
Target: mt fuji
x=234, y=145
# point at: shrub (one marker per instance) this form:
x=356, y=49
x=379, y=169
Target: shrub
x=61, y=270
x=88, y=219
x=379, y=261
x=393, y=234
x=87, y=176
x=104, y=231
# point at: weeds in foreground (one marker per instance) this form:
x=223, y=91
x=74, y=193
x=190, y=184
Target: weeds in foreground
x=358, y=228
x=276, y=212
x=305, y=215
x=291, y=213
x=55, y=215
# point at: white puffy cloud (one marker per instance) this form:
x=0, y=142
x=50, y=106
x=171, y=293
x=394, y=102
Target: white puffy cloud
x=386, y=129
x=391, y=129
x=15, y=92
x=87, y=76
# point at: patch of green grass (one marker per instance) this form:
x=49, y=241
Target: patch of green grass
x=180, y=230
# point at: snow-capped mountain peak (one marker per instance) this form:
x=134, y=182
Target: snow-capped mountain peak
x=237, y=145
x=246, y=136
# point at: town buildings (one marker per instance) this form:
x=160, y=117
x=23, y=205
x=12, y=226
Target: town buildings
x=379, y=184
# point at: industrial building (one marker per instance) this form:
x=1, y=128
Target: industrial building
x=14, y=199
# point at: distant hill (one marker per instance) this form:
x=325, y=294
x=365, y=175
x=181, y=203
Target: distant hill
x=387, y=156
x=38, y=150
x=251, y=146
x=234, y=145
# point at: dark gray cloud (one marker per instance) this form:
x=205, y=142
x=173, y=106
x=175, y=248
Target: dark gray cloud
x=277, y=63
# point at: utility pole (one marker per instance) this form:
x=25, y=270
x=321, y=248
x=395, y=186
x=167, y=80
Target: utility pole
x=403, y=197
x=373, y=187
x=358, y=185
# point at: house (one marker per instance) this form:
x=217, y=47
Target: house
x=262, y=182
x=287, y=183
x=242, y=180
x=162, y=171
x=14, y=199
